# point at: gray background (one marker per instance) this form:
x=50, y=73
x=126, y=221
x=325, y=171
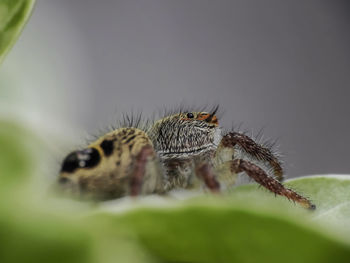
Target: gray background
x=281, y=65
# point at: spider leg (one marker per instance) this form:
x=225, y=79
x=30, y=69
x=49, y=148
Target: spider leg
x=139, y=172
x=178, y=174
x=259, y=175
x=255, y=150
x=205, y=172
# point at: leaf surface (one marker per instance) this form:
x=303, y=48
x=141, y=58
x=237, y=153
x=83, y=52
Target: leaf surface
x=13, y=17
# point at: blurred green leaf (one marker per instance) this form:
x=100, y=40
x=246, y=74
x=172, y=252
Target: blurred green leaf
x=13, y=16
x=332, y=197
x=27, y=232
x=247, y=225
x=32, y=238
x=16, y=156
x=252, y=227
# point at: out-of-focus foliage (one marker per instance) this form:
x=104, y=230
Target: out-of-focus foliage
x=13, y=16
x=14, y=160
x=247, y=225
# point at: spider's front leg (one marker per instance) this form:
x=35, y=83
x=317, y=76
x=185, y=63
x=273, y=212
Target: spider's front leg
x=242, y=142
x=204, y=171
x=259, y=175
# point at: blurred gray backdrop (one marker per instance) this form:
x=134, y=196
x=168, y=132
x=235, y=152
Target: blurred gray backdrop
x=281, y=65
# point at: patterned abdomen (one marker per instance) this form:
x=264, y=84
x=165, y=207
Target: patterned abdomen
x=113, y=166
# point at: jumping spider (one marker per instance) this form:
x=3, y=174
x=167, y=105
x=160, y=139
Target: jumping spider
x=181, y=150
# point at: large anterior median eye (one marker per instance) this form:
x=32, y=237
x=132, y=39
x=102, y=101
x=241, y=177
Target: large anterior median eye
x=86, y=158
x=190, y=115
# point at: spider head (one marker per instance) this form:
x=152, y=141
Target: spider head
x=186, y=134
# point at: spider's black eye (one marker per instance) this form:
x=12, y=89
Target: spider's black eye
x=190, y=115
x=81, y=159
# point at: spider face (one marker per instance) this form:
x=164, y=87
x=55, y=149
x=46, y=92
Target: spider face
x=185, y=134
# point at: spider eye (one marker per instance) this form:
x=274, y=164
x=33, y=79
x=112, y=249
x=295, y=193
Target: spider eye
x=190, y=115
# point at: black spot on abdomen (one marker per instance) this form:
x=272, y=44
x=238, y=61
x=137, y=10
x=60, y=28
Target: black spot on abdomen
x=86, y=158
x=107, y=147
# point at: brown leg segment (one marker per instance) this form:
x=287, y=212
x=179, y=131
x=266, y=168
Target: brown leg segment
x=205, y=172
x=268, y=182
x=255, y=150
x=140, y=168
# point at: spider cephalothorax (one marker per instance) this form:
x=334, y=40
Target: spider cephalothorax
x=184, y=135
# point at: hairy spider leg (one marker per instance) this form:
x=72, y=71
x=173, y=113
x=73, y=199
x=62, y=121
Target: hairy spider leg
x=205, y=172
x=259, y=175
x=179, y=173
x=254, y=150
x=146, y=155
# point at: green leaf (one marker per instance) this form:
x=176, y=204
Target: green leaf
x=249, y=226
x=16, y=156
x=32, y=238
x=332, y=197
x=13, y=16
x=28, y=233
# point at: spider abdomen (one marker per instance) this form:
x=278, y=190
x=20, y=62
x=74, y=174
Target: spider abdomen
x=123, y=160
